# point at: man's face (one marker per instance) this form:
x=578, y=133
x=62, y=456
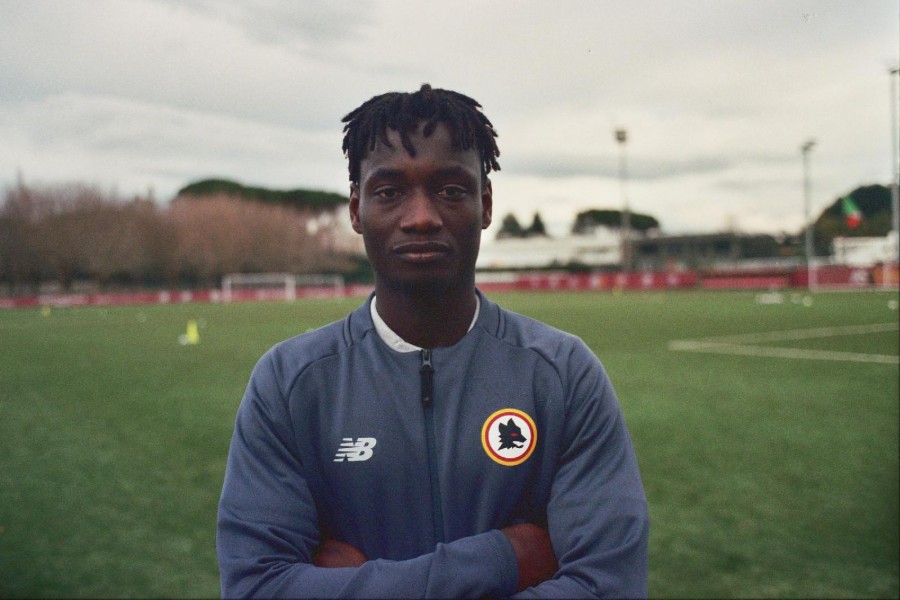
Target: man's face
x=421, y=217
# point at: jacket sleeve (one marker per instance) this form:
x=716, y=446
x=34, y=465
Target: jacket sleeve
x=597, y=512
x=267, y=525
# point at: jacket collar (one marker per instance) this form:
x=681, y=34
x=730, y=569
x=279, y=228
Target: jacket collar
x=360, y=322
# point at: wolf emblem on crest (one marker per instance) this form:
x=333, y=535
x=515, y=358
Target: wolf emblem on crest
x=511, y=435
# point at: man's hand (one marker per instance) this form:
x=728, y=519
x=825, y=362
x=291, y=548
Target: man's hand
x=333, y=554
x=534, y=552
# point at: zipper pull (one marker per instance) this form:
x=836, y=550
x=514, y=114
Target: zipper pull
x=427, y=373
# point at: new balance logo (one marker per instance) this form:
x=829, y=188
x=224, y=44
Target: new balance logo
x=356, y=451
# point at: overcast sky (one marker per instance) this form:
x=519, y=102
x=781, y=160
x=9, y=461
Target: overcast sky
x=717, y=96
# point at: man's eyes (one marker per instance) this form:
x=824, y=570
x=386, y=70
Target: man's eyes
x=387, y=193
x=447, y=192
x=453, y=192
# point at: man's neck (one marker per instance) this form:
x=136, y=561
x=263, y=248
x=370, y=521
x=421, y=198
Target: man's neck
x=428, y=319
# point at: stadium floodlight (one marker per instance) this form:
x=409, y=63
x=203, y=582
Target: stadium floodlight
x=810, y=267
x=895, y=167
x=621, y=138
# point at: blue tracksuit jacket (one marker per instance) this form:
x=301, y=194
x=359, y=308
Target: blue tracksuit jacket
x=418, y=459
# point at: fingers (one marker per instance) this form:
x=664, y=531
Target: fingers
x=333, y=554
x=534, y=553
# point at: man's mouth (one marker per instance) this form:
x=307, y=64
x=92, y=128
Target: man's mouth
x=422, y=251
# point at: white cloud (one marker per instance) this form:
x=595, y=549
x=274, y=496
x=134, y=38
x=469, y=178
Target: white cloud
x=307, y=26
x=136, y=145
x=717, y=96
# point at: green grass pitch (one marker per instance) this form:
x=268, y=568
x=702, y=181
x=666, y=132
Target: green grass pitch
x=766, y=476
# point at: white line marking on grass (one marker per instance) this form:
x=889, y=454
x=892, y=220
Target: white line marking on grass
x=805, y=334
x=743, y=344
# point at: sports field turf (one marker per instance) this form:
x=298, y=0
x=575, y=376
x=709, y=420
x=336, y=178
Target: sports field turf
x=769, y=473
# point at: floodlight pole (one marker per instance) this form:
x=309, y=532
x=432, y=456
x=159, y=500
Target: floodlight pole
x=621, y=138
x=810, y=269
x=895, y=167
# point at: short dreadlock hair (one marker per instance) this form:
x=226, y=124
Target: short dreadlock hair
x=367, y=125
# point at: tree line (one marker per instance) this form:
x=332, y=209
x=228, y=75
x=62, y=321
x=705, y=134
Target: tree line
x=872, y=201
x=585, y=223
x=75, y=232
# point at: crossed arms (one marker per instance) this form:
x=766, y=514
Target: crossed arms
x=594, y=544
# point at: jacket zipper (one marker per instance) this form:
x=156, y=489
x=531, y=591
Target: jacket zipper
x=427, y=377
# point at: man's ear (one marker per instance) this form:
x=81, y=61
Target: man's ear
x=354, y=208
x=487, y=203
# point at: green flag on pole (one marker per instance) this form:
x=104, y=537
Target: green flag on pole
x=851, y=212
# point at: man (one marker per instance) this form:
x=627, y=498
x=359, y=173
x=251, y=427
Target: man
x=431, y=444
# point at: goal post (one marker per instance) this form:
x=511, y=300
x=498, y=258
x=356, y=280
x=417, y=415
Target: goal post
x=279, y=286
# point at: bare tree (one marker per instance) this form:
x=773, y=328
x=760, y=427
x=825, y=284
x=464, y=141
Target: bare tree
x=74, y=231
x=221, y=234
x=45, y=228
x=132, y=242
x=19, y=257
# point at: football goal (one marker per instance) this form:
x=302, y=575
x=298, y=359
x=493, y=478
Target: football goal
x=238, y=287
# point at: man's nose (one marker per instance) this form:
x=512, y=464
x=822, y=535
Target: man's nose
x=420, y=213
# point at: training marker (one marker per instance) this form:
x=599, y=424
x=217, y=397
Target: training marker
x=191, y=336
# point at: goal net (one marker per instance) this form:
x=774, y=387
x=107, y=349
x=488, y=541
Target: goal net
x=238, y=287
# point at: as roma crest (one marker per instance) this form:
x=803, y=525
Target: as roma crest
x=509, y=437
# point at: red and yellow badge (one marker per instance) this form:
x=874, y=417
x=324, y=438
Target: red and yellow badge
x=509, y=437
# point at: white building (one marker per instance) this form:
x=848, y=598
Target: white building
x=865, y=251
x=602, y=248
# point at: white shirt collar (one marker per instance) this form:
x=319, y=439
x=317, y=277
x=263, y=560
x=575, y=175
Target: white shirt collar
x=397, y=343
